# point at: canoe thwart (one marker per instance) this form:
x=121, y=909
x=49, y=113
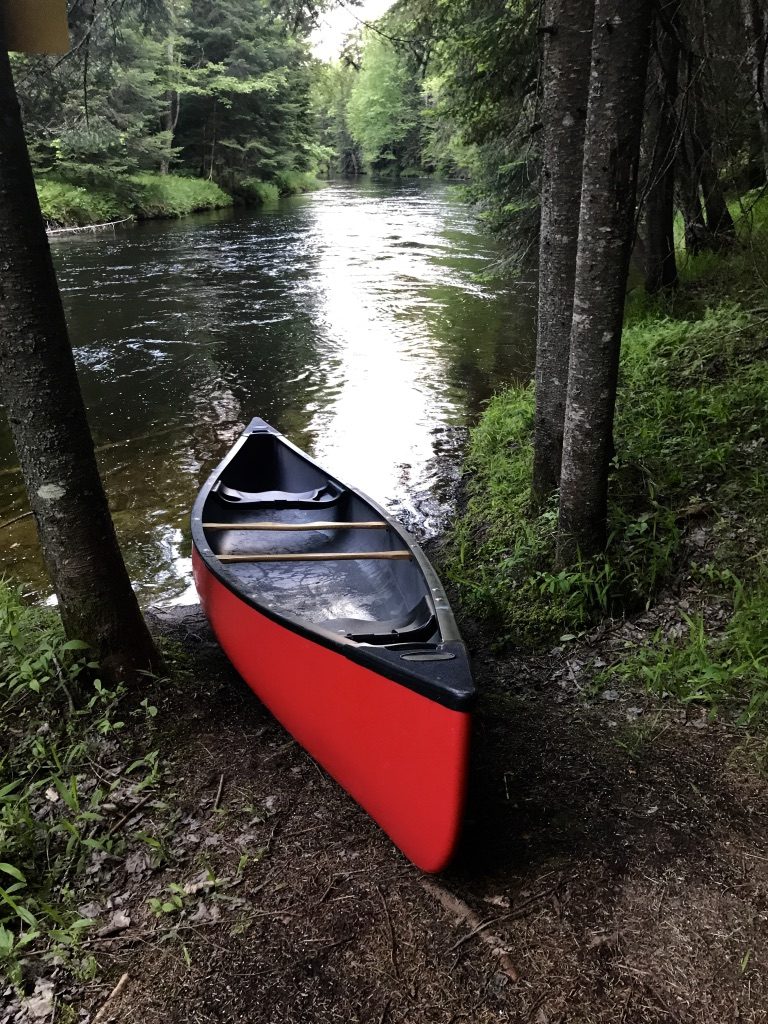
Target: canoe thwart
x=315, y=556
x=378, y=525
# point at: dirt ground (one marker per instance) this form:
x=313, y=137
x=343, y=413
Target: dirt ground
x=615, y=849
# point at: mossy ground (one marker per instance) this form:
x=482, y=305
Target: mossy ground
x=690, y=438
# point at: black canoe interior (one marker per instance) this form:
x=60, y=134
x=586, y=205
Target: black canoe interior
x=368, y=600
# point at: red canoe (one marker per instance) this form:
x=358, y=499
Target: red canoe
x=336, y=620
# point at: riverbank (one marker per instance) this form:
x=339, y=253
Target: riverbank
x=153, y=196
x=688, y=514
x=615, y=847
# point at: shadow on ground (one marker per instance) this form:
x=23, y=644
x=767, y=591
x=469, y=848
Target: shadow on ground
x=617, y=849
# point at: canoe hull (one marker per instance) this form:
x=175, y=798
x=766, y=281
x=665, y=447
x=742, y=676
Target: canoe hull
x=401, y=756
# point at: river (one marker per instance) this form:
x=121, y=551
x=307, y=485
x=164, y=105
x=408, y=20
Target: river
x=358, y=319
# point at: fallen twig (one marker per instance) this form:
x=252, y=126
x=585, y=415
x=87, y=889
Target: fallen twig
x=101, y=1015
x=217, y=801
x=462, y=910
x=16, y=519
x=129, y=814
x=510, y=915
x=89, y=227
x=392, y=939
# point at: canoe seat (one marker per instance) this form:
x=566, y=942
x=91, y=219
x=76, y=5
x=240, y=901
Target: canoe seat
x=321, y=497
x=418, y=624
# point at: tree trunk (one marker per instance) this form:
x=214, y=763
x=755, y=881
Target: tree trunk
x=606, y=226
x=663, y=136
x=720, y=224
x=567, y=54
x=756, y=28
x=689, y=200
x=41, y=395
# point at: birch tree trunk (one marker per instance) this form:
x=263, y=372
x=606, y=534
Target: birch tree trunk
x=567, y=55
x=606, y=227
x=663, y=139
x=40, y=392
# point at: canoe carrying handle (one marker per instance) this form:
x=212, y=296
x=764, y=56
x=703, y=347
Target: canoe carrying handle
x=379, y=525
x=315, y=556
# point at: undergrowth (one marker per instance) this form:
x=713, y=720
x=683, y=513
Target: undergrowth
x=142, y=196
x=691, y=428
x=59, y=789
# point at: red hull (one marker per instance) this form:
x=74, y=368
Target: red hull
x=402, y=756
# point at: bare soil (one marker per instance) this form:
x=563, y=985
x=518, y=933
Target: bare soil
x=614, y=846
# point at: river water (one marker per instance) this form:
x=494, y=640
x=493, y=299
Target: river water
x=356, y=319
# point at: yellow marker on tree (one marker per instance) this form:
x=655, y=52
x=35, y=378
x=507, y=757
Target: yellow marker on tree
x=34, y=26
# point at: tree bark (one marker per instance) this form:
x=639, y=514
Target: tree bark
x=41, y=395
x=720, y=224
x=755, y=18
x=567, y=56
x=663, y=137
x=606, y=226
x=689, y=200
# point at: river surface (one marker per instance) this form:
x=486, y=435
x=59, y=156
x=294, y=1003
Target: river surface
x=357, y=319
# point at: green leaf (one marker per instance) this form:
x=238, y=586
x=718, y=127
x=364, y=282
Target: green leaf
x=9, y=869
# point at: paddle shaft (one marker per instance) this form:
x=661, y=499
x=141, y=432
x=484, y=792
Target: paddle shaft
x=315, y=556
x=295, y=526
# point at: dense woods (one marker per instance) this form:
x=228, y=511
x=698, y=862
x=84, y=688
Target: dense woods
x=219, y=93
x=610, y=529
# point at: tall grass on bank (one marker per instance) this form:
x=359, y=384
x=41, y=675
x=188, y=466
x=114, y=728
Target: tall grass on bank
x=59, y=749
x=691, y=429
x=148, y=196
x=141, y=195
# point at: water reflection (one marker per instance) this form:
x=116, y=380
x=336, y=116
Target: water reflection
x=353, y=319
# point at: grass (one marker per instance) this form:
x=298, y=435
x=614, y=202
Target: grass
x=143, y=196
x=290, y=183
x=149, y=196
x=259, y=193
x=60, y=745
x=691, y=429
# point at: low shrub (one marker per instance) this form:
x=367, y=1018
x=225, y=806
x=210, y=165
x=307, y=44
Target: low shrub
x=170, y=195
x=140, y=195
x=66, y=205
x=290, y=183
x=258, y=193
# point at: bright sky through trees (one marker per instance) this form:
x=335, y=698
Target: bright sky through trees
x=327, y=39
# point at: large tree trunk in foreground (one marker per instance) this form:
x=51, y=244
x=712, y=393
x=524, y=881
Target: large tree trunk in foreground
x=606, y=229
x=41, y=395
x=567, y=55
x=755, y=19
x=663, y=139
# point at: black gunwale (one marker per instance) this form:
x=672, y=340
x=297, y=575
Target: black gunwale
x=429, y=679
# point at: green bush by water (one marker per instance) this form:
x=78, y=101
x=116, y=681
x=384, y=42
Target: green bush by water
x=290, y=183
x=258, y=193
x=142, y=196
